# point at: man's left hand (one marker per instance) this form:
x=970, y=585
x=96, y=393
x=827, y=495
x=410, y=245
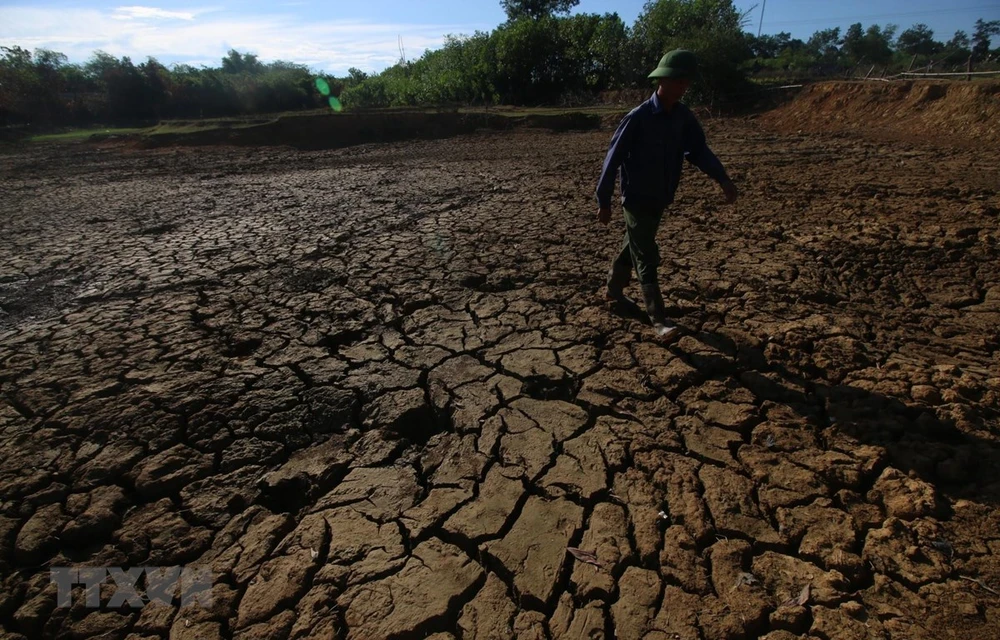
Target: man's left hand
x=729, y=189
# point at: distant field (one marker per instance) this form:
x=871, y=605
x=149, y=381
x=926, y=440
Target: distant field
x=201, y=125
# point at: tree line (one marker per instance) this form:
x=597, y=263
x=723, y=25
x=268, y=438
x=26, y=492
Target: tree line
x=539, y=55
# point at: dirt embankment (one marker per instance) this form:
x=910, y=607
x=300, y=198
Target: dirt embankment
x=343, y=130
x=960, y=112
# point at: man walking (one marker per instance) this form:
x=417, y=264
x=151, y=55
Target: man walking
x=649, y=147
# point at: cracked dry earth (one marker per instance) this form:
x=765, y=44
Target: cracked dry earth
x=376, y=392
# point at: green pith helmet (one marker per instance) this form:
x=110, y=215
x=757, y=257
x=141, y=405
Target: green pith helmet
x=679, y=63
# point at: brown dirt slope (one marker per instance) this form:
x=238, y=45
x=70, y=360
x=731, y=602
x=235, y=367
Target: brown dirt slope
x=960, y=111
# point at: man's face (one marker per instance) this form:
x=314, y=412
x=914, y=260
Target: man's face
x=674, y=88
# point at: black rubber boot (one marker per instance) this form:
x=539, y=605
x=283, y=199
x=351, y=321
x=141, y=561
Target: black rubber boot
x=618, y=278
x=657, y=312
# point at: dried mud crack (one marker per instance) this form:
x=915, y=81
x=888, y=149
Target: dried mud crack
x=376, y=393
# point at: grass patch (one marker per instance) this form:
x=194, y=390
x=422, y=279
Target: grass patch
x=78, y=135
x=198, y=126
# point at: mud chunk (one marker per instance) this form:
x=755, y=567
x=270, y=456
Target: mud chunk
x=359, y=549
x=730, y=499
x=711, y=443
x=283, y=579
x=186, y=630
x=781, y=482
x=455, y=372
x=155, y=619
x=665, y=370
x=534, y=550
x=607, y=385
x=824, y=534
x=101, y=625
x=381, y=493
x=276, y=628
x=316, y=614
x=886, y=550
x=904, y=497
x=530, y=625
x=837, y=625
x=101, y=517
x=250, y=451
x=571, y=622
x=925, y=394
x=39, y=535
x=639, y=591
x=539, y=365
x=558, y=418
x=404, y=413
x=32, y=616
x=435, y=576
x=643, y=505
x=450, y=459
x=791, y=619
x=490, y=615
x=307, y=472
x=8, y=534
x=169, y=471
x=434, y=508
x=781, y=635
x=525, y=444
x=245, y=542
x=330, y=410
x=676, y=478
x=677, y=618
x=158, y=535
x=485, y=516
x=737, y=587
x=579, y=359
x=217, y=498
x=111, y=461
x=581, y=468
x=784, y=577
x=607, y=538
x=681, y=562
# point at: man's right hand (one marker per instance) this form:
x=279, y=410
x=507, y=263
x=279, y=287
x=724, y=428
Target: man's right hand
x=604, y=215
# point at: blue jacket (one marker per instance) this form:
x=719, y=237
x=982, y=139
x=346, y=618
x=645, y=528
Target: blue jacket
x=649, y=147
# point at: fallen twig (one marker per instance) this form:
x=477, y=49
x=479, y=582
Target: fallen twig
x=980, y=583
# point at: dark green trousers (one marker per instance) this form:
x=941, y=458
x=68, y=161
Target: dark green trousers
x=639, y=250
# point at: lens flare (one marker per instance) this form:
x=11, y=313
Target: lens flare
x=335, y=104
x=322, y=86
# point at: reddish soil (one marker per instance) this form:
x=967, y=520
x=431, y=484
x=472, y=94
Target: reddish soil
x=376, y=392
x=956, y=112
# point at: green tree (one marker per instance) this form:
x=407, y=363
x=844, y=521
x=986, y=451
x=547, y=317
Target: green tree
x=236, y=62
x=958, y=49
x=30, y=86
x=826, y=43
x=872, y=45
x=711, y=28
x=768, y=46
x=595, y=50
x=918, y=40
x=536, y=9
x=529, y=61
x=356, y=76
x=981, y=38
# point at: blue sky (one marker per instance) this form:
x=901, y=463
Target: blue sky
x=333, y=36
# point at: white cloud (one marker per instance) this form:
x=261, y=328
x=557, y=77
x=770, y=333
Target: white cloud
x=128, y=13
x=203, y=36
